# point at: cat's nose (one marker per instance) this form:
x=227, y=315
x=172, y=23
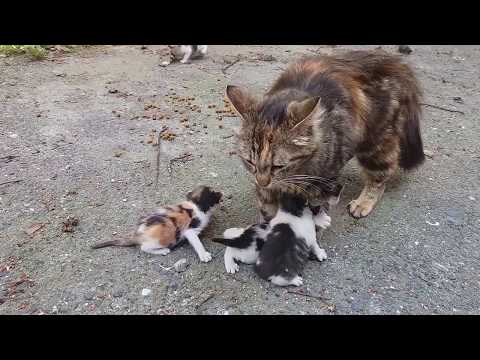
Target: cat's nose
x=263, y=180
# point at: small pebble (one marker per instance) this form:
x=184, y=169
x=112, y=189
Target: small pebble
x=471, y=198
x=146, y=292
x=181, y=265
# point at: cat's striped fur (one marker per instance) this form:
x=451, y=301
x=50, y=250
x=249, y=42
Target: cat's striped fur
x=321, y=112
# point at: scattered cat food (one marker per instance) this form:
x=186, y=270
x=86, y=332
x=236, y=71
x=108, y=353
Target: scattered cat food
x=168, y=135
x=152, y=137
x=70, y=224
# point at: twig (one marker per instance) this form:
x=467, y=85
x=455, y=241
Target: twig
x=228, y=66
x=206, y=299
x=228, y=136
x=10, y=182
x=8, y=158
x=158, y=160
x=442, y=108
x=182, y=158
x=321, y=298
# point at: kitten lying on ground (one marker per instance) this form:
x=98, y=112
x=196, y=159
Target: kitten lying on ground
x=184, y=53
x=167, y=227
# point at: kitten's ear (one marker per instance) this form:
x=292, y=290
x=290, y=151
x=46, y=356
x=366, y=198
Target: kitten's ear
x=240, y=99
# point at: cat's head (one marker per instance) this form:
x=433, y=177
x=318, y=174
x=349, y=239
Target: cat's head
x=277, y=134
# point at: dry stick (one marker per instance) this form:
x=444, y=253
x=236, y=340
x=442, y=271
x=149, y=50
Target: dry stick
x=321, y=298
x=10, y=182
x=225, y=68
x=158, y=160
x=183, y=158
x=442, y=108
x=205, y=300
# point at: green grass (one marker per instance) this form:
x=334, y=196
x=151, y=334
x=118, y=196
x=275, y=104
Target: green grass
x=36, y=52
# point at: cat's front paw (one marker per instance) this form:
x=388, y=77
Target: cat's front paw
x=184, y=61
x=231, y=267
x=321, y=255
x=205, y=257
x=323, y=220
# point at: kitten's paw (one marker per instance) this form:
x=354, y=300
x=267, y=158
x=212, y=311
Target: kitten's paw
x=205, y=257
x=323, y=220
x=184, y=61
x=321, y=255
x=232, y=267
x=297, y=281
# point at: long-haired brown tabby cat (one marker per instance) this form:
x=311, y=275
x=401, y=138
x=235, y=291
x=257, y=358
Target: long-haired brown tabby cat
x=321, y=112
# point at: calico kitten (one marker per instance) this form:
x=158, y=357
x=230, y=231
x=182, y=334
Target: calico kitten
x=289, y=242
x=321, y=112
x=243, y=245
x=167, y=227
x=184, y=53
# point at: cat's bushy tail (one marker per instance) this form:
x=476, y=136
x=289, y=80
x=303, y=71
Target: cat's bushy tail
x=411, y=145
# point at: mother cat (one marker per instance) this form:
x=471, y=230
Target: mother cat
x=321, y=112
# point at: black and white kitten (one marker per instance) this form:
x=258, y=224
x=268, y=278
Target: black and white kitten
x=184, y=53
x=243, y=244
x=291, y=239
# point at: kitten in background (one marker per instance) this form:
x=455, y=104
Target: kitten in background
x=184, y=53
x=169, y=226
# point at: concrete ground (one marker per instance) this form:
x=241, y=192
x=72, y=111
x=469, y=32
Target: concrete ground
x=75, y=137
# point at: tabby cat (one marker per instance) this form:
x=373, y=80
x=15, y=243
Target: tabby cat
x=321, y=112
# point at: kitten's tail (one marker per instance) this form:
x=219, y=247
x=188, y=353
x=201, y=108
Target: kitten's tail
x=117, y=242
x=226, y=242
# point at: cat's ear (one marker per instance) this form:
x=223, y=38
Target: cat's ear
x=240, y=99
x=300, y=110
x=304, y=115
